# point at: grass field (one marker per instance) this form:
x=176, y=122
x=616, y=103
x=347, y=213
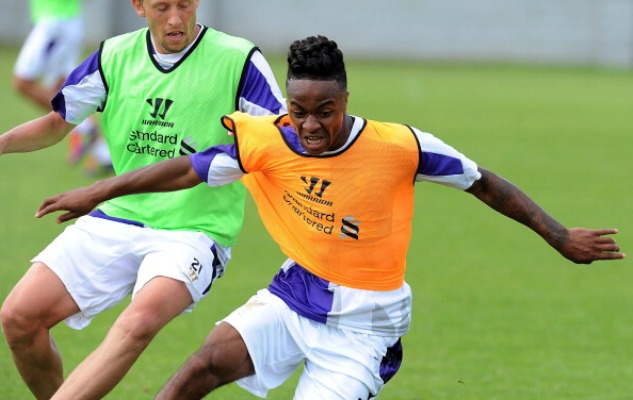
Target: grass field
x=497, y=313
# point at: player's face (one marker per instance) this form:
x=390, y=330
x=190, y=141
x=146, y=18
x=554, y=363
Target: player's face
x=318, y=110
x=171, y=22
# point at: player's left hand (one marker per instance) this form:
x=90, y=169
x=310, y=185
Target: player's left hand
x=76, y=202
x=584, y=246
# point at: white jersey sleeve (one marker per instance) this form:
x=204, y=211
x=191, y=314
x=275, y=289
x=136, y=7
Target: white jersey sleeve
x=260, y=93
x=83, y=93
x=217, y=165
x=441, y=163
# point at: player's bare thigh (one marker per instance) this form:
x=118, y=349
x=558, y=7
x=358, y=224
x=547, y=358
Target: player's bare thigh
x=158, y=302
x=39, y=297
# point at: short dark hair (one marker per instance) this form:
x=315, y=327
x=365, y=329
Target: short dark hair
x=316, y=58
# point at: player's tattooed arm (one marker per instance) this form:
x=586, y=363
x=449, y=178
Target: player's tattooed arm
x=579, y=245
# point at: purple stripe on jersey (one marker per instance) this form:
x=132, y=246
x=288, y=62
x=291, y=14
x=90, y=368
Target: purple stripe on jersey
x=305, y=293
x=391, y=362
x=434, y=164
x=201, y=161
x=256, y=90
x=90, y=65
x=292, y=138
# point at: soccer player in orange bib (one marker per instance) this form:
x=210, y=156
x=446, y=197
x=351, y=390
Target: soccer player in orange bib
x=336, y=192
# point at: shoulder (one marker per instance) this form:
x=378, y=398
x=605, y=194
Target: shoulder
x=228, y=42
x=242, y=121
x=117, y=50
x=125, y=39
x=392, y=132
x=253, y=132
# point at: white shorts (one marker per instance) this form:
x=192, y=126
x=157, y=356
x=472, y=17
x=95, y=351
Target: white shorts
x=51, y=51
x=339, y=364
x=101, y=262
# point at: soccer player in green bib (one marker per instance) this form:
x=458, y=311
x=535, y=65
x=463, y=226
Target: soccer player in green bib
x=161, y=92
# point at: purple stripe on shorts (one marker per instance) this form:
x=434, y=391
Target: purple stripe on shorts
x=305, y=293
x=51, y=45
x=391, y=361
x=215, y=265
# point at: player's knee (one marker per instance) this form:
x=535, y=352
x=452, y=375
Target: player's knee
x=16, y=327
x=200, y=363
x=8, y=315
x=205, y=366
x=218, y=366
x=138, y=327
x=209, y=358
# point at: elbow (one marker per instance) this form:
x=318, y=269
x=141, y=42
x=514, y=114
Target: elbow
x=488, y=188
x=192, y=179
x=59, y=126
x=481, y=185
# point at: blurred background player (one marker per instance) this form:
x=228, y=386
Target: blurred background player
x=50, y=52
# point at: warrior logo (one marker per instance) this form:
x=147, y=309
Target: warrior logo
x=159, y=103
x=312, y=184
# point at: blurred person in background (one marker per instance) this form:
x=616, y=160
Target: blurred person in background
x=50, y=52
x=161, y=91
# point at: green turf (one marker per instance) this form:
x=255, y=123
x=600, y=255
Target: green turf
x=497, y=313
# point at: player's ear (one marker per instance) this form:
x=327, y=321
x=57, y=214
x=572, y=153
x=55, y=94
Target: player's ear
x=138, y=7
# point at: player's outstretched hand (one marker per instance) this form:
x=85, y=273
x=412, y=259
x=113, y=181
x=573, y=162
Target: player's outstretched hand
x=584, y=246
x=76, y=202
